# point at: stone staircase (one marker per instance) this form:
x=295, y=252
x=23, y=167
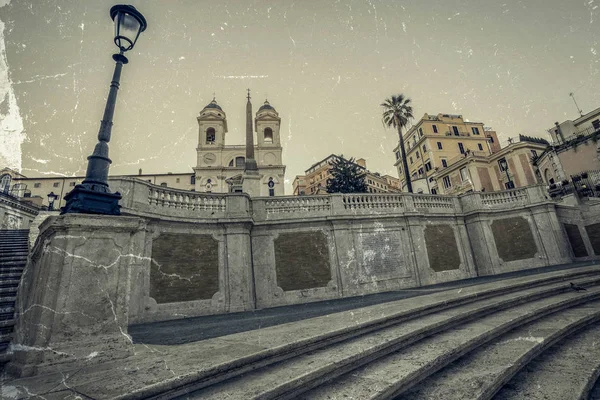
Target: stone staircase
x=462, y=348
x=521, y=337
x=13, y=258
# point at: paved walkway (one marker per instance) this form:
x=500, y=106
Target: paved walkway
x=200, y=328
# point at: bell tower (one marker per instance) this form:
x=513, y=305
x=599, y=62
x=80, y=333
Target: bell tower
x=267, y=126
x=212, y=127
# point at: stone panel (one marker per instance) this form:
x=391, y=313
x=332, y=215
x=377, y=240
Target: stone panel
x=513, y=238
x=512, y=171
x=380, y=255
x=576, y=240
x=441, y=248
x=302, y=260
x=593, y=232
x=185, y=267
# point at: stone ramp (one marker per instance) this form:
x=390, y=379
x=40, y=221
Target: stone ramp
x=366, y=335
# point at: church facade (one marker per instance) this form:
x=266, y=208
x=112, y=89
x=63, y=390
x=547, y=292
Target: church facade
x=220, y=167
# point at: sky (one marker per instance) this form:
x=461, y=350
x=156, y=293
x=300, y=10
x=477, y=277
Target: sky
x=326, y=66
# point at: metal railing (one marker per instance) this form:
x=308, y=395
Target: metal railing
x=585, y=185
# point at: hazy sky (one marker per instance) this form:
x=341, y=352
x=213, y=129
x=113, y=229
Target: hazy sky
x=326, y=66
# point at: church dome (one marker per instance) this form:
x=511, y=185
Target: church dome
x=266, y=106
x=213, y=104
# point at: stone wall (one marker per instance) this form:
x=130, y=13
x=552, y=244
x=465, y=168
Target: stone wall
x=210, y=254
x=581, y=226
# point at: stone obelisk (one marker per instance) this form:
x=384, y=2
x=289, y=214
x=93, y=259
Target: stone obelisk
x=250, y=178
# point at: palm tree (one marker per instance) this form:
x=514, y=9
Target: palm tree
x=397, y=113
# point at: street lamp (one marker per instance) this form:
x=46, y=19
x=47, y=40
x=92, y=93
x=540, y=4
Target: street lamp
x=93, y=196
x=504, y=166
x=51, y=198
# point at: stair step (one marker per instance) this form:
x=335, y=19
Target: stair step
x=12, y=269
x=566, y=370
x=8, y=283
x=392, y=375
x=5, y=337
x=9, y=276
x=12, y=258
x=7, y=323
x=13, y=263
x=290, y=378
x=8, y=291
x=481, y=373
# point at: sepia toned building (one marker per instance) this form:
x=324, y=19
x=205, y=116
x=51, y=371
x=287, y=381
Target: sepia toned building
x=315, y=179
x=509, y=168
x=575, y=148
x=437, y=141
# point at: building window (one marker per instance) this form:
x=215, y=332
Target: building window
x=491, y=138
x=461, y=148
x=455, y=130
x=447, y=182
x=240, y=162
x=268, y=135
x=444, y=163
x=428, y=166
x=163, y=184
x=596, y=124
x=509, y=185
x=433, y=191
x=210, y=136
x=434, y=129
x=475, y=130
x=411, y=160
x=177, y=180
x=193, y=179
x=424, y=148
x=72, y=184
x=271, y=192
x=420, y=132
x=37, y=185
x=534, y=153
x=439, y=145
x=464, y=176
x=418, y=156
x=150, y=180
x=480, y=146
x=56, y=184
x=397, y=155
x=420, y=171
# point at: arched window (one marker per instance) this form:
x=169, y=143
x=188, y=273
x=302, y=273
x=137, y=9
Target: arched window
x=240, y=162
x=268, y=135
x=5, y=183
x=231, y=163
x=210, y=135
x=164, y=184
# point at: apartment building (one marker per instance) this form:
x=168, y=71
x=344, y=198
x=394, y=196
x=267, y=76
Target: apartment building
x=314, y=181
x=437, y=141
x=509, y=168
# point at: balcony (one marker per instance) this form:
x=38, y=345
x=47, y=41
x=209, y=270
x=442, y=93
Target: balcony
x=468, y=154
x=452, y=133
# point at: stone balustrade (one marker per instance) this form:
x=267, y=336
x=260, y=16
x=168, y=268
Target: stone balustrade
x=141, y=197
x=507, y=197
x=183, y=199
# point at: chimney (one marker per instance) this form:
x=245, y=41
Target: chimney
x=362, y=162
x=140, y=171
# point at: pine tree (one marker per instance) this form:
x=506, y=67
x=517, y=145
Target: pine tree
x=346, y=177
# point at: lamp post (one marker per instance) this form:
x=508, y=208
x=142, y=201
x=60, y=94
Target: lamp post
x=51, y=199
x=93, y=196
x=504, y=166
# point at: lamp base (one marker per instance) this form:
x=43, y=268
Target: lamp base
x=84, y=200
